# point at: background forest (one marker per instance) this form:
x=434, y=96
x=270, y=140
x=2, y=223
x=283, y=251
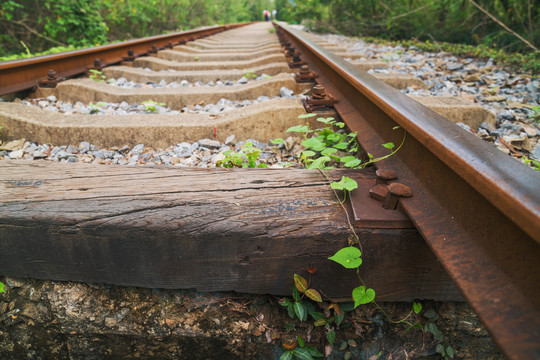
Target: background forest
x=33, y=26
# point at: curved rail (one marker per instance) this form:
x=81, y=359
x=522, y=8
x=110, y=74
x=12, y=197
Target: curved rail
x=477, y=209
x=24, y=74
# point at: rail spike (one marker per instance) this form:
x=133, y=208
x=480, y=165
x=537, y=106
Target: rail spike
x=305, y=75
x=319, y=100
x=50, y=81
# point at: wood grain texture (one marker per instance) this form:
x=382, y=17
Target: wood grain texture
x=208, y=229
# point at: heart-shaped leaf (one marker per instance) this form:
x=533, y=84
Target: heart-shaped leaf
x=328, y=151
x=348, y=257
x=362, y=296
x=298, y=128
x=389, y=145
x=346, y=183
x=341, y=145
x=417, y=307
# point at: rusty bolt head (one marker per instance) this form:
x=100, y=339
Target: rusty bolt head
x=130, y=52
x=378, y=192
x=51, y=75
x=296, y=58
x=97, y=63
x=395, y=191
x=318, y=92
x=400, y=190
x=154, y=48
x=383, y=176
x=304, y=69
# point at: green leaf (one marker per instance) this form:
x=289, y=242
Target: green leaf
x=334, y=137
x=347, y=158
x=287, y=355
x=362, y=296
x=341, y=125
x=430, y=314
x=347, y=355
x=341, y=145
x=262, y=166
x=328, y=151
x=415, y=326
x=316, y=315
x=2, y=287
x=304, y=116
x=301, y=342
x=319, y=163
x=440, y=349
x=346, y=183
x=308, y=153
x=300, y=311
x=290, y=310
x=298, y=128
x=431, y=327
x=284, y=302
x=313, y=143
x=353, y=163
x=300, y=283
x=339, y=318
x=417, y=307
x=352, y=343
x=302, y=354
x=343, y=345
x=396, y=127
x=348, y=257
x=319, y=322
x=389, y=145
x=277, y=141
x=347, y=306
x=331, y=336
x=326, y=120
x=438, y=335
x=314, y=295
x=296, y=294
x=314, y=352
x=450, y=351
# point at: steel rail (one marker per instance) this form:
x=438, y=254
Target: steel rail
x=477, y=209
x=25, y=74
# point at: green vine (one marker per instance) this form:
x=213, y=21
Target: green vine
x=325, y=148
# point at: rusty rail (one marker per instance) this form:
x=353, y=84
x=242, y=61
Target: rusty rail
x=477, y=209
x=25, y=74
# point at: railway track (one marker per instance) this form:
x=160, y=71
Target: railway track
x=477, y=210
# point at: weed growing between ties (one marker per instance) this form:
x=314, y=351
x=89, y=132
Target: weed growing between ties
x=326, y=148
x=96, y=75
x=247, y=157
x=150, y=106
x=250, y=75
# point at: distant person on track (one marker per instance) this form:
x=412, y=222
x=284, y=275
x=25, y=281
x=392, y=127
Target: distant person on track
x=266, y=15
x=274, y=13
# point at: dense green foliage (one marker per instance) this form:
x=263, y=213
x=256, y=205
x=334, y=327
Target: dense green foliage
x=456, y=21
x=32, y=26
